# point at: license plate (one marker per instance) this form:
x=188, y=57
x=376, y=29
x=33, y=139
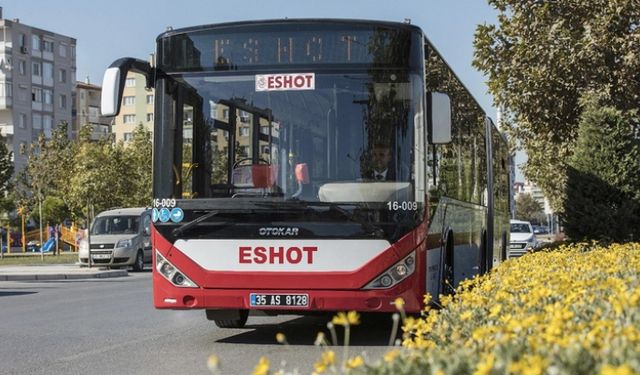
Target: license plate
x=289, y=300
x=101, y=256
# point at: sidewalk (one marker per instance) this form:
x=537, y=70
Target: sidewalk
x=57, y=272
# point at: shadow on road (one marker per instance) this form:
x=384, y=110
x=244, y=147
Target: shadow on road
x=373, y=330
x=14, y=293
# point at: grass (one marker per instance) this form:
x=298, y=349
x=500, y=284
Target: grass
x=34, y=259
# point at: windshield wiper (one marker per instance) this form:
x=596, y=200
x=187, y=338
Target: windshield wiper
x=193, y=223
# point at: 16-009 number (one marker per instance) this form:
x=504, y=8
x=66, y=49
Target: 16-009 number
x=164, y=203
x=404, y=206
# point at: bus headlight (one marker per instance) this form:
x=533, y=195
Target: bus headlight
x=394, y=274
x=172, y=274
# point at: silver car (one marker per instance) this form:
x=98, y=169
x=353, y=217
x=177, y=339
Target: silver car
x=119, y=238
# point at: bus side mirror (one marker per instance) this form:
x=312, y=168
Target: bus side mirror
x=114, y=80
x=439, y=119
x=112, y=87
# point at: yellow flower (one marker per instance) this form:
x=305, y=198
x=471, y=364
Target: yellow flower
x=466, y=315
x=350, y=318
x=391, y=355
x=399, y=303
x=621, y=370
x=281, y=338
x=319, y=339
x=262, y=368
x=213, y=363
x=485, y=367
x=355, y=362
x=327, y=359
x=495, y=310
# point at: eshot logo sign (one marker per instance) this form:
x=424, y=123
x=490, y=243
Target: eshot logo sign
x=285, y=82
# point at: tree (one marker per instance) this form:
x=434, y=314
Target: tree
x=603, y=186
x=99, y=176
x=528, y=209
x=542, y=57
x=139, y=159
x=6, y=166
x=6, y=172
x=47, y=170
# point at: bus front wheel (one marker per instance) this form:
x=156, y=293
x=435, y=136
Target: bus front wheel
x=228, y=318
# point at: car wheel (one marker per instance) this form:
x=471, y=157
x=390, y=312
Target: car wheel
x=139, y=263
x=233, y=323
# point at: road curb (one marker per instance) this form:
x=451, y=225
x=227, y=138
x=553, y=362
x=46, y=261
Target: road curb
x=63, y=276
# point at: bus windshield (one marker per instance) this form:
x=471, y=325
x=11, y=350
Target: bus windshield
x=348, y=141
x=350, y=130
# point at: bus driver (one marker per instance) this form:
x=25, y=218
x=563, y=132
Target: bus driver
x=382, y=166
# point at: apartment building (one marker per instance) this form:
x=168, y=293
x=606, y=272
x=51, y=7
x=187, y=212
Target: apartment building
x=86, y=110
x=37, y=73
x=136, y=108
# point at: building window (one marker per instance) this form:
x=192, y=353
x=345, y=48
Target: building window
x=62, y=50
x=243, y=151
x=23, y=40
x=35, y=42
x=73, y=51
x=22, y=120
x=47, y=124
x=36, y=69
x=47, y=46
x=37, y=121
x=23, y=148
x=47, y=69
x=62, y=77
x=129, y=119
x=130, y=82
x=128, y=137
x=6, y=90
x=48, y=96
x=149, y=117
x=63, y=101
x=22, y=67
x=244, y=131
x=149, y=99
x=129, y=100
x=36, y=95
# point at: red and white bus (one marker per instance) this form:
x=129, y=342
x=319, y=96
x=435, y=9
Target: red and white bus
x=315, y=165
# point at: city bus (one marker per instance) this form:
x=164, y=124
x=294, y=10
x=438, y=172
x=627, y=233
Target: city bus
x=315, y=165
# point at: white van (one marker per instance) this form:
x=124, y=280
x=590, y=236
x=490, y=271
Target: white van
x=119, y=238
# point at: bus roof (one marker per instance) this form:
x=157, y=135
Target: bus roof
x=310, y=21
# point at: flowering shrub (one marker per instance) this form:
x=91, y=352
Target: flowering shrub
x=575, y=310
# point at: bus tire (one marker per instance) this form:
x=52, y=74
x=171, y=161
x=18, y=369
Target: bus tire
x=504, y=246
x=484, y=253
x=138, y=264
x=447, y=266
x=233, y=323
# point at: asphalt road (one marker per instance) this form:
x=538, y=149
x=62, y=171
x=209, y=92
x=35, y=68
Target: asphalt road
x=110, y=327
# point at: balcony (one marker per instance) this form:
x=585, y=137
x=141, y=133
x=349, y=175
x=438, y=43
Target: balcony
x=5, y=102
x=6, y=129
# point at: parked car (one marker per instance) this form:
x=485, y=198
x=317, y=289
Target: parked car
x=119, y=238
x=540, y=229
x=522, y=238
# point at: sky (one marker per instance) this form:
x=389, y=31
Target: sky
x=108, y=30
